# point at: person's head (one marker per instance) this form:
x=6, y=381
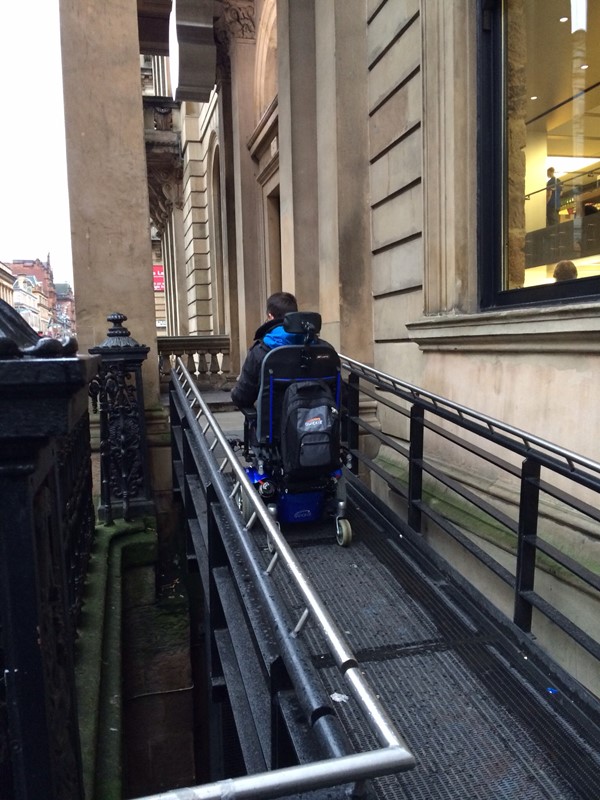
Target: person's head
x=280, y=304
x=565, y=271
x=550, y=172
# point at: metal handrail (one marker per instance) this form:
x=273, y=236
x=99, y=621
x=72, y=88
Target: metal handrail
x=393, y=755
x=417, y=393
x=537, y=453
x=293, y=780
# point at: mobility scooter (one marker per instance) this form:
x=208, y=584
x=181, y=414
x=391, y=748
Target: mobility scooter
x=292, y=434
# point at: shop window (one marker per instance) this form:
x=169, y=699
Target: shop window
x=539, y=151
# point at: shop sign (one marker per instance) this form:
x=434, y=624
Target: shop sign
x=158, y=274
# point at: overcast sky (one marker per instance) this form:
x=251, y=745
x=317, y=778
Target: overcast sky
x=34, y=205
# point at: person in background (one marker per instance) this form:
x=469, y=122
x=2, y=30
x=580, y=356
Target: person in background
x=565, y=271
x=553, y=187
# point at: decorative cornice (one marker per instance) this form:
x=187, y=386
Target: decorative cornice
x=192, y=50
x=551, y=329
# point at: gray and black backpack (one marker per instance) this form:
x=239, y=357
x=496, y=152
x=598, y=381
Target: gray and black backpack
x=310, y=430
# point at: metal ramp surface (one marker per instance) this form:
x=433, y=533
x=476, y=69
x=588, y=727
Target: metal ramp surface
x=483, y=720
x=484, y=711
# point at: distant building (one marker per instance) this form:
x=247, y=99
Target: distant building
x=7, y=279
x=42, y=272
x=26, y=300
x=65, y=308
x=56, y=303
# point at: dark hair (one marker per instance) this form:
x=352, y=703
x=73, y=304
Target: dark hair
x=565, y=271
x=280, y=303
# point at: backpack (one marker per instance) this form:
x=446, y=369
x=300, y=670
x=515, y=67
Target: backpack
x=309, y=429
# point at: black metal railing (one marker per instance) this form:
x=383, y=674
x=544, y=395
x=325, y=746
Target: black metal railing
x=117, y=395
x=46, y=535
x=522, y=506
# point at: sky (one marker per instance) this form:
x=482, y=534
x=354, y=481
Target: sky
x=34, y=204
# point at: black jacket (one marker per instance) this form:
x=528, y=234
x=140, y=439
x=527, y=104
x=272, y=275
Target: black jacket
x=245, y=391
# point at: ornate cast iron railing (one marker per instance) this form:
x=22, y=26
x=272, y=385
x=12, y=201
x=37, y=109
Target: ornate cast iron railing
x=46, y=534
x=117, y=394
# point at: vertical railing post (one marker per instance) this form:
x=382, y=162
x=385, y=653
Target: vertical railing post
x=415, y=466
x=215, y=620
x=117, y=394
x=526, y=547
x=351, y=419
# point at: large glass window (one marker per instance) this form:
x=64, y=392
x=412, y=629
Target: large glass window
x=547, y=225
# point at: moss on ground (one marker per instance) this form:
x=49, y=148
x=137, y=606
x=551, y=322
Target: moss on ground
x=98, y=653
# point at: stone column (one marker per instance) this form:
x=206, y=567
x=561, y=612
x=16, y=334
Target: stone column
x=344, y=257
x=226, y=166
x=237, y=26
x=112, y=257
x=166, y=203
x=449, y=67
x=298, y=149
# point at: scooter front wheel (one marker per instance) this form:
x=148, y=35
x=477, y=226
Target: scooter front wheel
x=343, y=532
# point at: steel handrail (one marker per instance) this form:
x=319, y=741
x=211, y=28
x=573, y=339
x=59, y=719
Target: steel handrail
x=393, y=755
x=292, y=780
x=377, y=377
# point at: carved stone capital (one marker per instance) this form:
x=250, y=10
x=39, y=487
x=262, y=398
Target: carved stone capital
x=237, y=20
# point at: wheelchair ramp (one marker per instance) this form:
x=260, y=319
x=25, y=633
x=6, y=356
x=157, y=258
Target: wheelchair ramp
x=468, y=691
x=480, y=726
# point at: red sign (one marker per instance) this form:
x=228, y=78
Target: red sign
x=158, y=274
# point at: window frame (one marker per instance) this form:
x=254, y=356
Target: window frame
x=492, y=179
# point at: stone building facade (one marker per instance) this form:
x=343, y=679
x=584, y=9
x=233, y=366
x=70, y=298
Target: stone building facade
x=346, y=155
x=354, y=152
x=29, y=301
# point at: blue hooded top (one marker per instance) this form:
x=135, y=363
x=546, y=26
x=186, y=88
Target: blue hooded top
x=271, y=334
x=279, y=336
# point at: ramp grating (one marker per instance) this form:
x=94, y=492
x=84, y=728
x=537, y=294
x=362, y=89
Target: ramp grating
x=477, y=727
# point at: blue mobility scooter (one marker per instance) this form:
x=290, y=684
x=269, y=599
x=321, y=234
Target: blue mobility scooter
x=292, y=434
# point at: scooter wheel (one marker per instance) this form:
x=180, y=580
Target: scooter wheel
x=344, y=532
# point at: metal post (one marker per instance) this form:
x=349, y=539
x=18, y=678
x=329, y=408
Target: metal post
x=526, y=546
x=352, y=408
x=415, y=468
x=117, y=393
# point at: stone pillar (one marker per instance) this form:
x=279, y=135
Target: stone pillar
x=226, y=166
x=194, y=223
x=344, y=256
x=237, y=32
x=298, y=149
x=106, y=165
x=172, y=244
x=165, y=174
